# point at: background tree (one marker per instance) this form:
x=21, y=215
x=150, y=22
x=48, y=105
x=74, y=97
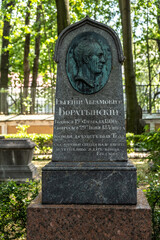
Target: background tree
x=145, y=23
x=36, y=58
x=146, y=52
x=132, y=113
x=63, y=18
x=158, y=22
x=7, y=7
x=26, y=63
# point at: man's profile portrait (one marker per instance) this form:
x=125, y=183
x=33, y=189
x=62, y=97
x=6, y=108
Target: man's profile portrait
x=87, y=63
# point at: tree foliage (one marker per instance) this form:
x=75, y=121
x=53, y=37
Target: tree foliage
x=41, y=30
x=146, y=35
x=103, y=11
x=15, y=198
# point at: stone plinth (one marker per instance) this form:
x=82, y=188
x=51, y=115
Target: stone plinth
x=89, y=183
x=86, y=222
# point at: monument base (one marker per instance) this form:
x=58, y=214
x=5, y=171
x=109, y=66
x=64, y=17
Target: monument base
x=87, y=222
x=19, y=173
x=89, y=183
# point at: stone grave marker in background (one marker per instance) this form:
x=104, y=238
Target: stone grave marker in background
x=16, y=160
x=89, y=162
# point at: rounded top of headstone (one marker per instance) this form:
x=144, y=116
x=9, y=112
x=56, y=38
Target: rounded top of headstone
x=93, y=23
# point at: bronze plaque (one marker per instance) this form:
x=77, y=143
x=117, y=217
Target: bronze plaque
x=88, y=62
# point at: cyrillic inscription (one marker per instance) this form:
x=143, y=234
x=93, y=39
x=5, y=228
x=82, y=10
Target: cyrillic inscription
x=89, y=129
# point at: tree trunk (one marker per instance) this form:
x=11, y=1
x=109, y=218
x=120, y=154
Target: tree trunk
x=26, y=66
x=63, y=19
x=5, y=54
x=3, y=100
x=149, y=63
x=158, y=22
x=5, y=43
x=133, y=113
x=36, y=59
x=5, y=58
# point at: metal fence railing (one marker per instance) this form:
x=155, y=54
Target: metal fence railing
x=40, y=100
x=148, y=97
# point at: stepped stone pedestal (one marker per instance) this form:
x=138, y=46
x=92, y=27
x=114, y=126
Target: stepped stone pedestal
x=86, y=222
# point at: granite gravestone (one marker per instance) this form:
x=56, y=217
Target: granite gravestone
x=89, y=164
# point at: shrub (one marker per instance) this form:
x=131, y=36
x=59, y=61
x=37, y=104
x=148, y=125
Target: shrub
x=152, y=144
x=153, y=196
x=22, y=129
x=130, y=142
x=150, y=141
x=133, y=141
x=43, y=141
x=15, y=199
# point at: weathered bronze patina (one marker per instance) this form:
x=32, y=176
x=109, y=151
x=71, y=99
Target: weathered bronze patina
x=88, y=62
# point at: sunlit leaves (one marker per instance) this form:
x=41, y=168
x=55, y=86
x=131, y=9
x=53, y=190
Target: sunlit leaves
x=144, y=19
x=105, y=11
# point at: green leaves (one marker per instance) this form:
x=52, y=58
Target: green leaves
x=145, y=33
x=43, y=142
x=15, y=199
x=153, y=196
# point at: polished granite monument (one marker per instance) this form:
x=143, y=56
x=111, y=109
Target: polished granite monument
x=89, y=188
x=89, y=164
